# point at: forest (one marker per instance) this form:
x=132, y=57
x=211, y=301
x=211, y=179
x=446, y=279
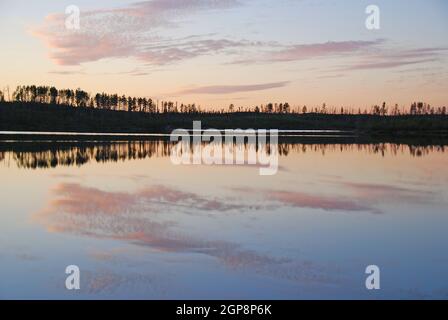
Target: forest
x=81, y=99
x=45, y=108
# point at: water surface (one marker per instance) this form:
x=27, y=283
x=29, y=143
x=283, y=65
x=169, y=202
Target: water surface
x=140, y=227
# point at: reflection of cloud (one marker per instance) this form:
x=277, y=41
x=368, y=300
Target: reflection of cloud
x=79, y=200
x=304, y=200
x=110, y=282
x=27, y=257
x=117, y=215
x=307, y=200
x=109, y=255
x=363, y=197
x=19, y=252
x=373, y=191
x=125, y=216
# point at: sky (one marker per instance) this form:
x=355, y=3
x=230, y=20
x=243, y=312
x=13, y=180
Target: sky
x=246, y=52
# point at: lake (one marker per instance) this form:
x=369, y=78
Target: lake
x=139, y=227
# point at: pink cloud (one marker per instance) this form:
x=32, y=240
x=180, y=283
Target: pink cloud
x=299, y=52
x=308, y=51
x=386, y=64
x=125, y=32
x=398, y=58
x=228, y=89
x=134, y=32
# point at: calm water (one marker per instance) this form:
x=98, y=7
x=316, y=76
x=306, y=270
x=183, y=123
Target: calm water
x=140, y=227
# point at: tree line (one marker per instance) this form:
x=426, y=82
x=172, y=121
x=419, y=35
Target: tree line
x=81, y=99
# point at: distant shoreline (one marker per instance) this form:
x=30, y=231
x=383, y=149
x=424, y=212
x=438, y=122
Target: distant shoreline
x=26, y=117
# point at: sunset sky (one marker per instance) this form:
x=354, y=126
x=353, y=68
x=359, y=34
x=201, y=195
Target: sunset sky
x=246, y=52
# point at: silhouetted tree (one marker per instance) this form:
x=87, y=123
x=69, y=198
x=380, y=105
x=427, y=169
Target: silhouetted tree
x=82, y=99
x=304, y=110
x=383, y=110
x=53, y=92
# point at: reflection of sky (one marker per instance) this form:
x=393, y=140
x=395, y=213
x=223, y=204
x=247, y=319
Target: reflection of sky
x=147, y=229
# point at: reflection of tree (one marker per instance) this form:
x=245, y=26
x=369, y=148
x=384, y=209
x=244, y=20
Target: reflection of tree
x=375, y=148
x=50, y=155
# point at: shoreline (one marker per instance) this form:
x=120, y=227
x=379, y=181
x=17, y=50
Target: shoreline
x=37, y=119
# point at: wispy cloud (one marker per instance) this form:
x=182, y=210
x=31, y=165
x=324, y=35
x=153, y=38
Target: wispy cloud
x=299, y=52
x=136, y=31
x=66, y=72
x=394, y=58
x=308, y=51
x=174, y=50
x=386, y=64
x=364, y=55
x=229, y=89
x=131, y=32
